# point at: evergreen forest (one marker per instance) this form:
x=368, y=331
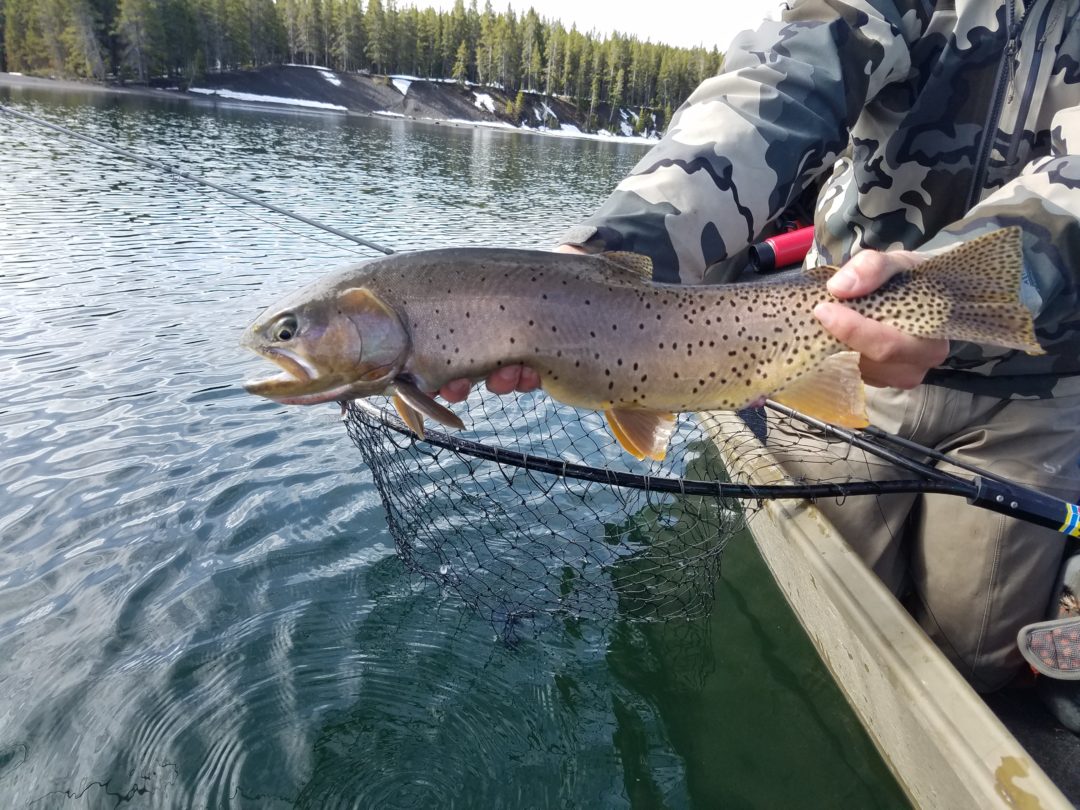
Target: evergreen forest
x=178, y=41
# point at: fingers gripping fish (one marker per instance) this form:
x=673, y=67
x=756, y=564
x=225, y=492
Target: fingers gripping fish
x=603, y=336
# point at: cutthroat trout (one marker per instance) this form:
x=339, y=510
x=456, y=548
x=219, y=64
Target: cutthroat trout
x=603, y=336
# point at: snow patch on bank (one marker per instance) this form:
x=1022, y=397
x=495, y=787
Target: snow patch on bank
x=492, y=124
x=293, y=102
x=546, y=114
x=330, y=77
x=484, y=102
x=402, y=84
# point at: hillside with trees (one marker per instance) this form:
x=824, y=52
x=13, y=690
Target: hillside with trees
x=177, y=42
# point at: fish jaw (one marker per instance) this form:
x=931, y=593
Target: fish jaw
x=300, y=383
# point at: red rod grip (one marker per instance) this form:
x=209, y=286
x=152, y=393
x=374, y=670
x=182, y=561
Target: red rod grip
x=782, y=250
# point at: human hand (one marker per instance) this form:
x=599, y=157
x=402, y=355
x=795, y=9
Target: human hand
x=889, y=358
x=506, y=379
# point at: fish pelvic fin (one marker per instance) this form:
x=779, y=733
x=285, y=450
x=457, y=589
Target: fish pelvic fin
x=413, y=405
x=972, y=293
x=641, y=433
x=413, y=418
x=832, y=392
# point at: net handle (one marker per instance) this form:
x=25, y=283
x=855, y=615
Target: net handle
x=562, y=468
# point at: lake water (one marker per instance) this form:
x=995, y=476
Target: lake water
x=200, y=604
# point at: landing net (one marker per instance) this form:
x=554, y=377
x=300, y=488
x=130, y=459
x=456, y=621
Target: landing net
x=534, y=512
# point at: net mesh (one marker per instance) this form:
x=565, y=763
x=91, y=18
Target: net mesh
x=530, y=543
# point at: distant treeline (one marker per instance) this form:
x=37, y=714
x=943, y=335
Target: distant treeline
x=181, y=39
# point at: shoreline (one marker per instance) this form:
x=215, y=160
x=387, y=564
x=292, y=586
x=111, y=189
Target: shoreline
x=213, y=96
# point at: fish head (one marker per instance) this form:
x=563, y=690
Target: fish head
x=332, y=344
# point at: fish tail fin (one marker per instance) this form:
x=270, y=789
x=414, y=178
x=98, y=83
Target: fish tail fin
x=972, y=293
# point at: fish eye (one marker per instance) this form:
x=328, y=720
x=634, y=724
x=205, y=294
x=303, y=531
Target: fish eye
x=284, y=328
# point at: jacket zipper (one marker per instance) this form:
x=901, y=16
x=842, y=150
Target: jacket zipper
x=986, y=145
x=1029, y=87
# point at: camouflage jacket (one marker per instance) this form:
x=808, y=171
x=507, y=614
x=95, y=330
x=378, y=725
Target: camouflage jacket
x=930, y=122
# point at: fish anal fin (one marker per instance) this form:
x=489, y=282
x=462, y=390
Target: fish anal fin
x=642, y=433
x=414, y=419
x=424, y=405
x=636, y=263
x=832, y=392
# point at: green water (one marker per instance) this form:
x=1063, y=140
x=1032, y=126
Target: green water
x=200, y=605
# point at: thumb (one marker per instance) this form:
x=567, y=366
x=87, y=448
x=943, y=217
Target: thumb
x=868, y=270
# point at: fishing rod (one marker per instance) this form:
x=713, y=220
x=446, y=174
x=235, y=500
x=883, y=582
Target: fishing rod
x=984, y=489
x=164, y=167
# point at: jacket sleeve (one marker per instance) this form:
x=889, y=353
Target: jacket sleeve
x=747, y=142
x=1044, y=201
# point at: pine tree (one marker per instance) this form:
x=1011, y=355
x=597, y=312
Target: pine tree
x=615, y=94
x=348, y=37
x=377, y=47
x=85, y=52
x=427, y=42
x=290, y=12
x=461, y=64
x=485, y=46
x=519, y=106
x=138, y=27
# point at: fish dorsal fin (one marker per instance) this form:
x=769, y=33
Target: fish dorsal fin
x=636, y=263
x=642, y=433
x=832, y=392
x=413, y=405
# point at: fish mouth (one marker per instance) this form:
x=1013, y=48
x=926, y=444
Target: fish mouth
x=298, y=378
x=301, y=384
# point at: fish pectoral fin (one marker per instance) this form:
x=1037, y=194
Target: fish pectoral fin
x=832, y=392
x=642, y=433
x=423, y=405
